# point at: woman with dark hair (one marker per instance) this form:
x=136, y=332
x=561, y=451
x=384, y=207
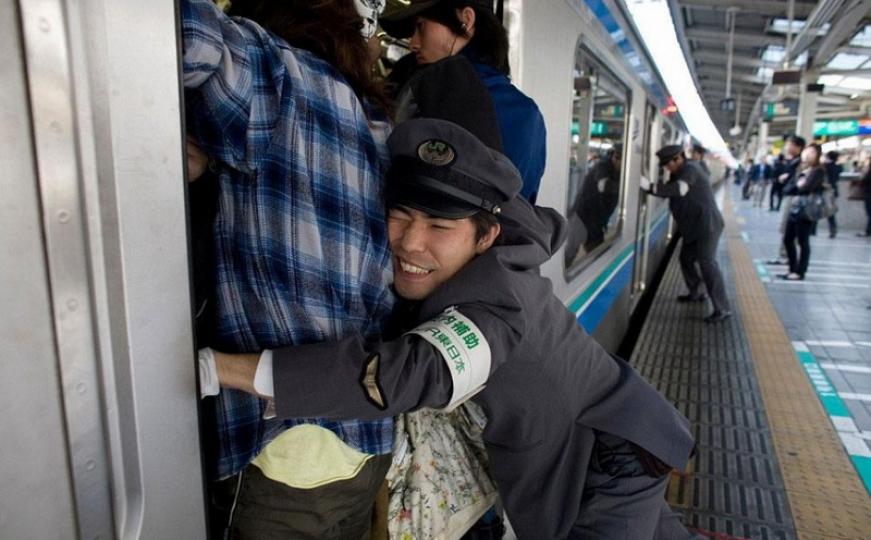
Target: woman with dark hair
x=283, y=104
x=442, y=28
x=810, y=179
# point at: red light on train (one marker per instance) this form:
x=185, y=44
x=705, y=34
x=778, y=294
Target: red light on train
x=670, y=107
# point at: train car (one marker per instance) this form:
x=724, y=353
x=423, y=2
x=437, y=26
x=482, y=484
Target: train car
x=100, y=424
x=599, y=93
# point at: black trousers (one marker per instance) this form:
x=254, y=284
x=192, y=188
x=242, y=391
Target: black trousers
x=798, y=231
x=776, y=190
x=868, y=213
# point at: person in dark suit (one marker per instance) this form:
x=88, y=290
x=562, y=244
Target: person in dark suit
x=833, y=175
x=866, y=190
x=699, y=222
x=776, y=184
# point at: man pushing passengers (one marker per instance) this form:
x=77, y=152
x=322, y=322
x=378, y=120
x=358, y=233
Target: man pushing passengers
x=578, y=443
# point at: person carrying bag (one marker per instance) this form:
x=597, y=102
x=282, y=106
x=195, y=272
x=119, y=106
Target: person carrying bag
x=809, y=205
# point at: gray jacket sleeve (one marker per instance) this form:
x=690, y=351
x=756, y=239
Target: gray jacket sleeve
x=670, y=189
x=329, y=380
x=351, y=379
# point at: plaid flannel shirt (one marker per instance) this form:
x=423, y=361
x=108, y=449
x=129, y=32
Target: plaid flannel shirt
x=300, y=241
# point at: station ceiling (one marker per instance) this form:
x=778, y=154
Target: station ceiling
x=830, y=37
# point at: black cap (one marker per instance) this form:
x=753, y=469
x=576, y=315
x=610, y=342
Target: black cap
x=442, y=169
x=401, y=24
x=667, y=153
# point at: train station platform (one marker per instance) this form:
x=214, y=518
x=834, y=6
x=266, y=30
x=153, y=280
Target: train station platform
x=779, y=395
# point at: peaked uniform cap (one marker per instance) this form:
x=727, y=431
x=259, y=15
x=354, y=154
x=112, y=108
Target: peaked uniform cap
x=666, y=153
x=443, y=170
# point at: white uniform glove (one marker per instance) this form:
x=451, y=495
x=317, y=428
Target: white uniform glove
x=644, y=184
x=209, y=385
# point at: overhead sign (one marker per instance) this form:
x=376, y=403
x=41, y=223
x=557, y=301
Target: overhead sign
x=787, y=76
x=842, y=128
x=613, y=111
x=787, y=107
x=596, y=128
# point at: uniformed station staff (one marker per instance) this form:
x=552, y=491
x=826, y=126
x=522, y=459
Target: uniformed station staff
x=700, y=224
x=578, y=443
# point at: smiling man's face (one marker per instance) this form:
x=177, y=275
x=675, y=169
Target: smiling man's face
x=428, y=251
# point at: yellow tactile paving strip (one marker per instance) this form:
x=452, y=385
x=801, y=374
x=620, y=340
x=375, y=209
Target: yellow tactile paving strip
x=825, y=494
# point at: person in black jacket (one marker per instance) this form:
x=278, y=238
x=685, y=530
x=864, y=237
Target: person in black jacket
x=810, y=179
x=833, y=175
x=866, y=186
x=599, y=196
x=699, y=222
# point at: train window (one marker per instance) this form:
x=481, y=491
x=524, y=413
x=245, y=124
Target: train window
x=600, y=109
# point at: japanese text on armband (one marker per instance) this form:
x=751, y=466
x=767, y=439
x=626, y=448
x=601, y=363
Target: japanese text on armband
x=463, y=348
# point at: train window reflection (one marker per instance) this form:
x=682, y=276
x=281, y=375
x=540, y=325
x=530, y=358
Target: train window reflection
x=600, y=110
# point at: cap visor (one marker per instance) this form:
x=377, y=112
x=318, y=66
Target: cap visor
x=401, y=24
x=430, y=202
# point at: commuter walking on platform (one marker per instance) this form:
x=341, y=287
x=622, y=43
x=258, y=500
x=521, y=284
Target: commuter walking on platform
x=866, y=190
x=286, y=109
x=751, y=179
x=700, y=224
x=811, y=179
x=777, y=183
x=833, y=176
x=441, y=28
x=578, y=443
x=698, y=154
x=766, y=173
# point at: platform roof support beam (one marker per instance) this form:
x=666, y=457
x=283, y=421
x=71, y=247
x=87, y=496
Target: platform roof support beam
x=714, y=34
x=843, y=27
x=807, y=106
x=765, y=7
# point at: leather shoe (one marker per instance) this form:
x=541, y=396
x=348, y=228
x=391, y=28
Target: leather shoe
x=691, y=298
x=718, y=316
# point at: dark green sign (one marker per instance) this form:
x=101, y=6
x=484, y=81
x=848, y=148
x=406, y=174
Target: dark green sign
x=596, y=128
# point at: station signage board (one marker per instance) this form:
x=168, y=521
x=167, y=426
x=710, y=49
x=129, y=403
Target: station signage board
x=787, y=107
x=842, y=128
x=596, y=128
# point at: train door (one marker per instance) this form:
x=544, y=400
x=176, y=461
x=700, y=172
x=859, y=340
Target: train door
x=99, y=424
x=642, y=222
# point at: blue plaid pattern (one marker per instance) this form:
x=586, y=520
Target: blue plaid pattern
x=301, y=252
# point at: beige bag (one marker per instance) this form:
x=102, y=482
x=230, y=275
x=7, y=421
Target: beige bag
x=439, y=484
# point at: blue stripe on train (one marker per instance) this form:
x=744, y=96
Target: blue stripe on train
x=595, y=312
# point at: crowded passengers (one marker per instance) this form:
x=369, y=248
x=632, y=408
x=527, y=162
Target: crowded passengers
x=360, y=270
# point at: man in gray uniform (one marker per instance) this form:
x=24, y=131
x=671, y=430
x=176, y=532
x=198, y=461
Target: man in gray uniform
x=699, y=222
x=578, y=443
